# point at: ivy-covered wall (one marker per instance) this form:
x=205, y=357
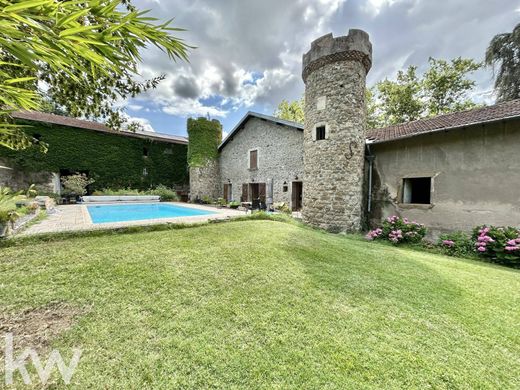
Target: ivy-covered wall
x=205, y=136
x=112, y=160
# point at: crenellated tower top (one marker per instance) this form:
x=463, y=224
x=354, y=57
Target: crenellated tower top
x=355, y=46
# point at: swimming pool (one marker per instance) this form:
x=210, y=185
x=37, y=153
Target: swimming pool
x=139, y=212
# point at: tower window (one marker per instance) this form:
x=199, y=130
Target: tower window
x=320, y=133
x=417, y=190
x=145, y=152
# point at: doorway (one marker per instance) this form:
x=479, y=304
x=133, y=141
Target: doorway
x=297, y=195
x=228, y=197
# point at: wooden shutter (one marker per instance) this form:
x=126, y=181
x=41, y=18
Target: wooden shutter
x=226, y=192
x=244, y=196
x=261, y=192
x=253, y=159
x=294, y=197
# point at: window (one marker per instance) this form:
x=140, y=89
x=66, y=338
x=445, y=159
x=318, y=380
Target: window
x=320, y=133
x=145, y=152
x=285, y=187
x=417, y=190
x=253, y=159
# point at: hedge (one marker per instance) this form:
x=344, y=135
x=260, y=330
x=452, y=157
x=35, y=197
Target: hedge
x=112, y=160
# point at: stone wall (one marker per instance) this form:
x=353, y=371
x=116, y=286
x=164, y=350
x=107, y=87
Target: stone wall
x=280, y=158
x=19, y=180
x=475, y=177
x=205, y=181
x=334, y=72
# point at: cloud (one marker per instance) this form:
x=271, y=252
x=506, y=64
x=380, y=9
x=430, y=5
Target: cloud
x=144, y=122
x=248, y=54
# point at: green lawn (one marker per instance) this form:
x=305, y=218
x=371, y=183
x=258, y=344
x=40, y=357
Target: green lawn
x=262, y=304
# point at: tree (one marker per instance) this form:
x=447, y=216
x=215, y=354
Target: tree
x=85, y=54
x=504, y=51
x=443, y=88
x=373, y=117
x=446, y=86
x=401, y=100
x=291, y=111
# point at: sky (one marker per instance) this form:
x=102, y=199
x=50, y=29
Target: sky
x=247, y=53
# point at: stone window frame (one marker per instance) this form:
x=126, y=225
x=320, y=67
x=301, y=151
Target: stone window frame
x=327, y=131
x=257, y=159
x=400, y=191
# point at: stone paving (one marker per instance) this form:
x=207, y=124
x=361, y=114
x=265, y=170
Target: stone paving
x=76, y=217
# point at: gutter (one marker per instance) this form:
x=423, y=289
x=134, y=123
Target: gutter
x=370, y=158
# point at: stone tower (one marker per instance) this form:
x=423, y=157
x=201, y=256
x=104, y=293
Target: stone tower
x=334, y=73
x=204, y=138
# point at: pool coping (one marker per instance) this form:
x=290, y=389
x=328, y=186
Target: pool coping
x=77, y=218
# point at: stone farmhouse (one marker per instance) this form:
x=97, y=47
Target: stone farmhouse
x=451, y=172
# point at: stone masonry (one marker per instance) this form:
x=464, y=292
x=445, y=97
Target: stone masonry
x=205, y=181
x=334, y=72
x=280, y=158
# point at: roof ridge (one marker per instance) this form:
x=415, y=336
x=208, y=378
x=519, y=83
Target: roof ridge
x=493, y=113
x=449, y=114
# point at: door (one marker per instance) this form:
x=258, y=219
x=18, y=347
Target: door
x=227, y=192
x=245, y=193
x=254, y=191
x=296, y=196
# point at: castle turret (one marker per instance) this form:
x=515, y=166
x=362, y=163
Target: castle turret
x=334, y=72
x=204, y=138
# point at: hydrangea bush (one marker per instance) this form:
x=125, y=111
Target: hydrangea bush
x=501, y=244
x=398, y=231
x=457, y=244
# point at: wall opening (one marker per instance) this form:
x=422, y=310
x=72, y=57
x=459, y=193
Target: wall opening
x=253, y=159
x=417, y=190
x=320, y=133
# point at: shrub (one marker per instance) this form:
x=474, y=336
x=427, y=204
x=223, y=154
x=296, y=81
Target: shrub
x=166, y=194
x=76, y=184
x=456, y=244
x=283, y=208
x=206, y=200
x=234, y=204
x=222, y=202
x=499, y=244
x=119, y=191
x=398, y=230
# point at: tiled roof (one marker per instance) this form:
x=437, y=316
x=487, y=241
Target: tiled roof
x=90, y=125
x=267, y=118
x=495, y=113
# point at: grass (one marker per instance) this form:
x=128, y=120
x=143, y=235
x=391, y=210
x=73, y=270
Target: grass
x=263, y=304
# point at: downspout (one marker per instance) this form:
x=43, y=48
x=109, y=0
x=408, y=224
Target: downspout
x=370, y=158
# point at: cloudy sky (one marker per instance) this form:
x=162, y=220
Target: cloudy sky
x=248, y=52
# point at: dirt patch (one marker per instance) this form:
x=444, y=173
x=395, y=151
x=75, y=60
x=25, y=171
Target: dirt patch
x=36, y=328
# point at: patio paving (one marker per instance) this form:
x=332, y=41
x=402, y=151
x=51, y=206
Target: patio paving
x=76, y=217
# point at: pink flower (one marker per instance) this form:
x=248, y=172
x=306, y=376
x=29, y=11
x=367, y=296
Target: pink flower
x=481, y=249
x=448, y=243
x=511, y=243
x=511, y=248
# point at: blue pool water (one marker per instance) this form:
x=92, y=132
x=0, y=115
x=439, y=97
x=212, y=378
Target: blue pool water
x=138, y=212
